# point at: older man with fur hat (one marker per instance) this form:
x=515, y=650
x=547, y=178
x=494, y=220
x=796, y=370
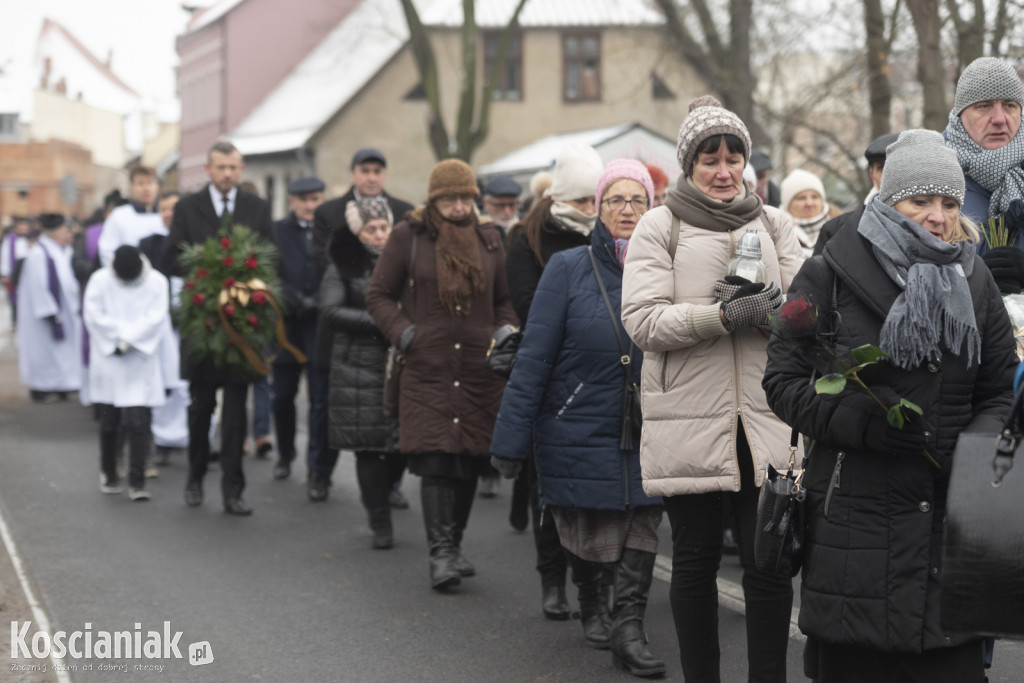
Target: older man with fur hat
x=983, y=131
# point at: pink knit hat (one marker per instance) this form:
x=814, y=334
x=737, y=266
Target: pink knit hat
x=630, y=169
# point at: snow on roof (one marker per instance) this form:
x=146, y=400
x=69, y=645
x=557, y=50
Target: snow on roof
x=496, y=13
x=541, y=154
x=353, y=53
x=210, y=14
x=49, y=26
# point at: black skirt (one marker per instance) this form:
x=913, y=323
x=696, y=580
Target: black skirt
x=448, y=465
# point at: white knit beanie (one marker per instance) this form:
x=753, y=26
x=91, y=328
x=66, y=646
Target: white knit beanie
x=577, y=170
x=798, y=181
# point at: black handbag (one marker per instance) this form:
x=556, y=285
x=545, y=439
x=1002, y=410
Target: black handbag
x=632, y=411
x=779, y=531
x=983, y=545
x=501, y=355
x=396, y=357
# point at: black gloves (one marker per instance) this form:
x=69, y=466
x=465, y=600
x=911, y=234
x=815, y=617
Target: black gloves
x=751, y=304
x=917, y=433
x=509, y=468
x=726, y=287
x=1007, y=267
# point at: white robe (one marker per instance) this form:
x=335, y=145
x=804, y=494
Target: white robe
x=46, y=364
x=124, y=226
x=170, y=421
x=137, y=313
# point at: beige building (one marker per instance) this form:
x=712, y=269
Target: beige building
x=360, y=87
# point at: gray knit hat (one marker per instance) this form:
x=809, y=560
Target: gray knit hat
x=920, y=163
x=987, y=78
x=707, y=118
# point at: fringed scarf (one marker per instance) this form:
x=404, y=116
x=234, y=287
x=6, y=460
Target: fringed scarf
x=460, y=274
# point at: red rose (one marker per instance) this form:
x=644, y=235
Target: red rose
x=798, y=316
x=198, y=299
x=251, y=262
x=228, y=261
x=253, y=320
x=201, y=272
x=190, y=284
x=225, y=242
x=259, y=298
x=230, y=282
x=229, y=310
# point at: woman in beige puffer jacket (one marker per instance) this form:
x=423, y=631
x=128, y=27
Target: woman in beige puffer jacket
x=708, y=431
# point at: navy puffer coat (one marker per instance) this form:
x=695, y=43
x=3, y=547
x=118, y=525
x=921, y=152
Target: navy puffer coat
x=567, y=389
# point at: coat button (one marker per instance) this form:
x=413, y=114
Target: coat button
x=455, y=420
x=932, y=367
x=924, y=506
x=935, y=570
x=458, y=346
x=458, y=307
x=456, y=383
x=926, y=435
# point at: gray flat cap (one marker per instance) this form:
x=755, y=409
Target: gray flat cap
x=306, y=185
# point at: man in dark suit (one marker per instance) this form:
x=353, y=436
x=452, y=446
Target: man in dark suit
x=369, y=173
x=299, y=286
x=198, y=217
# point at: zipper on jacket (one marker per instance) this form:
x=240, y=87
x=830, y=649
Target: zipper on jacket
x=664, y=373
x=833, y=483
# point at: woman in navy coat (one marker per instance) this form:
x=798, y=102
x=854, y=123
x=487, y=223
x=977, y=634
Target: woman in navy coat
x=568, y=391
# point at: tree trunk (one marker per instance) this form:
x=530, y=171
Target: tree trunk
x=930, y=70
x=879, y=86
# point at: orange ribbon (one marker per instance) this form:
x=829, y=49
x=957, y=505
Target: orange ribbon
x=242, y=292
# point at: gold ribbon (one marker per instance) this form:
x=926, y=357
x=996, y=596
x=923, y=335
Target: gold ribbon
x=242, y=292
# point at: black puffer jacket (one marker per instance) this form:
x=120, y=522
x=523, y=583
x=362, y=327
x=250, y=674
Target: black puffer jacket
x=358, y=353
x=872, y=569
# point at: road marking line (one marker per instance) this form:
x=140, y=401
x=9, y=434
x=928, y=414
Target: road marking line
x=730, y=595
x=38, y=613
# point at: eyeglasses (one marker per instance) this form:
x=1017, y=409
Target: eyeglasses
x=452, y=200
x=619, y=203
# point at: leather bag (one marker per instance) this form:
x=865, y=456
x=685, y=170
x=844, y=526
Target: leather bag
x=983, y=545
x=501, y=355
x=779, y=530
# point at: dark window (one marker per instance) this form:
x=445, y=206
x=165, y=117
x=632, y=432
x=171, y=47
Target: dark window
x=581, y=59
x=269, y=190
x=8, y=125
x=659, y=89
x=509, y=83
x=416, y=92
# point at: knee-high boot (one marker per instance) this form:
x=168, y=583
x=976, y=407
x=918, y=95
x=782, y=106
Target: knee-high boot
x=437, y=495
x=633, y=575
x=465, y=491
x=594, y=585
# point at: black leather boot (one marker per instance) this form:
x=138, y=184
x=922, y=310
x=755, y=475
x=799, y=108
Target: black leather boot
x=437, y=497
x=465, y=490
x=593, y=581
x=633, y=575
x=380, y=525
x=554, y=603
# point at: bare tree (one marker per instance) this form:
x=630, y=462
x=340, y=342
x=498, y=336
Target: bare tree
x=931, y=72
x=879, y=53
x=472, y=126
x=723, y=64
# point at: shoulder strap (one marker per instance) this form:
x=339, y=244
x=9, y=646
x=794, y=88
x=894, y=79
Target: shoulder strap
x=673, y=241
x=625, y=358
x=767, y=224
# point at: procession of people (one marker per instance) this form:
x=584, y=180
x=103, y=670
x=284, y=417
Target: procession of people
x=652, y=378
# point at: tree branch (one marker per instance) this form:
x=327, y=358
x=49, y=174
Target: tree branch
x=426, y=65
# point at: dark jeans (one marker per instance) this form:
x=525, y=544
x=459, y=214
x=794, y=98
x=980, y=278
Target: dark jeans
x=320, y=457
x=551, y=560
x=697, y=526
x=848, y=664
x=286, y=388
x=136, y=424
x=232, y=430
x=377, y=474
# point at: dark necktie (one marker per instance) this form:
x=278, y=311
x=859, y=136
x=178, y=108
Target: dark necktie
x=226, y=213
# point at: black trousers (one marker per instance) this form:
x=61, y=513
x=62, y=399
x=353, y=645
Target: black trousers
x=697, y=525
x=377, y=474
x=286, y=388
x=233, y=428
x=848, y=664
x=135, y=423
x=551, y=557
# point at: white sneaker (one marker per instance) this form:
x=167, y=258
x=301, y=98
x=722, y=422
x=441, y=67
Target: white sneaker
x=109, y=485
x=138, y=494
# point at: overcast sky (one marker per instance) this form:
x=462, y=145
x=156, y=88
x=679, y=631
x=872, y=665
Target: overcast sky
x=141, y=34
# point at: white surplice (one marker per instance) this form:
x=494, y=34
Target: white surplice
x=45, y=363
x=124, y=226
x=137, y=313
x=170, y=421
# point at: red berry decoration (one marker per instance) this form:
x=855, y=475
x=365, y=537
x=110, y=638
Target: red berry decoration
x=190, y=284
x=201, y=272
x=228, y=261
x=251, y=262
x=259, y=298
x=253, y=320
x=198, y=298
x=230, y=282
x=225, y=242
x=229, y=310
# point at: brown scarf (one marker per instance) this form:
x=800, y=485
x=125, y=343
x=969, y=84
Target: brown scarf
x=460, y=274
x=696, y=208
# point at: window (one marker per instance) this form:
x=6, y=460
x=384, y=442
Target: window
x=509, y=83
x=417, y=92
x=660, y=89
x=581, y=58
x=8, y=126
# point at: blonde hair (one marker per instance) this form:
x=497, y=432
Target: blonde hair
x=965, y=230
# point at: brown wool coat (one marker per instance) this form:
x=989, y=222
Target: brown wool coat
x=449, y=398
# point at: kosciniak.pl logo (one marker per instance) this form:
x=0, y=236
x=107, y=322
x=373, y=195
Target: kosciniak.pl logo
x=90, y=644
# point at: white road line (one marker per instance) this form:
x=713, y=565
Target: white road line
x=730, y=594
x=38, y=613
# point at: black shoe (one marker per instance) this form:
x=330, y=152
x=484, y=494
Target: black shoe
x=194, y=494
x=282, y=470
x=554, y=603
x=237, y=506
x=518, y=517
x=463, y=566
x=163, y=456
x=489, y=486
x=318, y=488
x=380, y=525
x=397, y=501
x=263, y=448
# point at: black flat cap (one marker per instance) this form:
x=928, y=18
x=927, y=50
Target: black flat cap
x=369, y=154
x=502, y=187
x=760, y=161
x=306, y=185
x=876, y=150
x=51, y=221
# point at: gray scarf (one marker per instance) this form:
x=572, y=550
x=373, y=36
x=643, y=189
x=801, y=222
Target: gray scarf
x=997, y=170
x=935, y=310
x=699, y=210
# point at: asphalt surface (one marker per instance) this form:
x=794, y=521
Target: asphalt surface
x=293, y=593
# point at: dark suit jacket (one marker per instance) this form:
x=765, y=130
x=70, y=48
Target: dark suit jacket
x=195, y=220
x=297, y=279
